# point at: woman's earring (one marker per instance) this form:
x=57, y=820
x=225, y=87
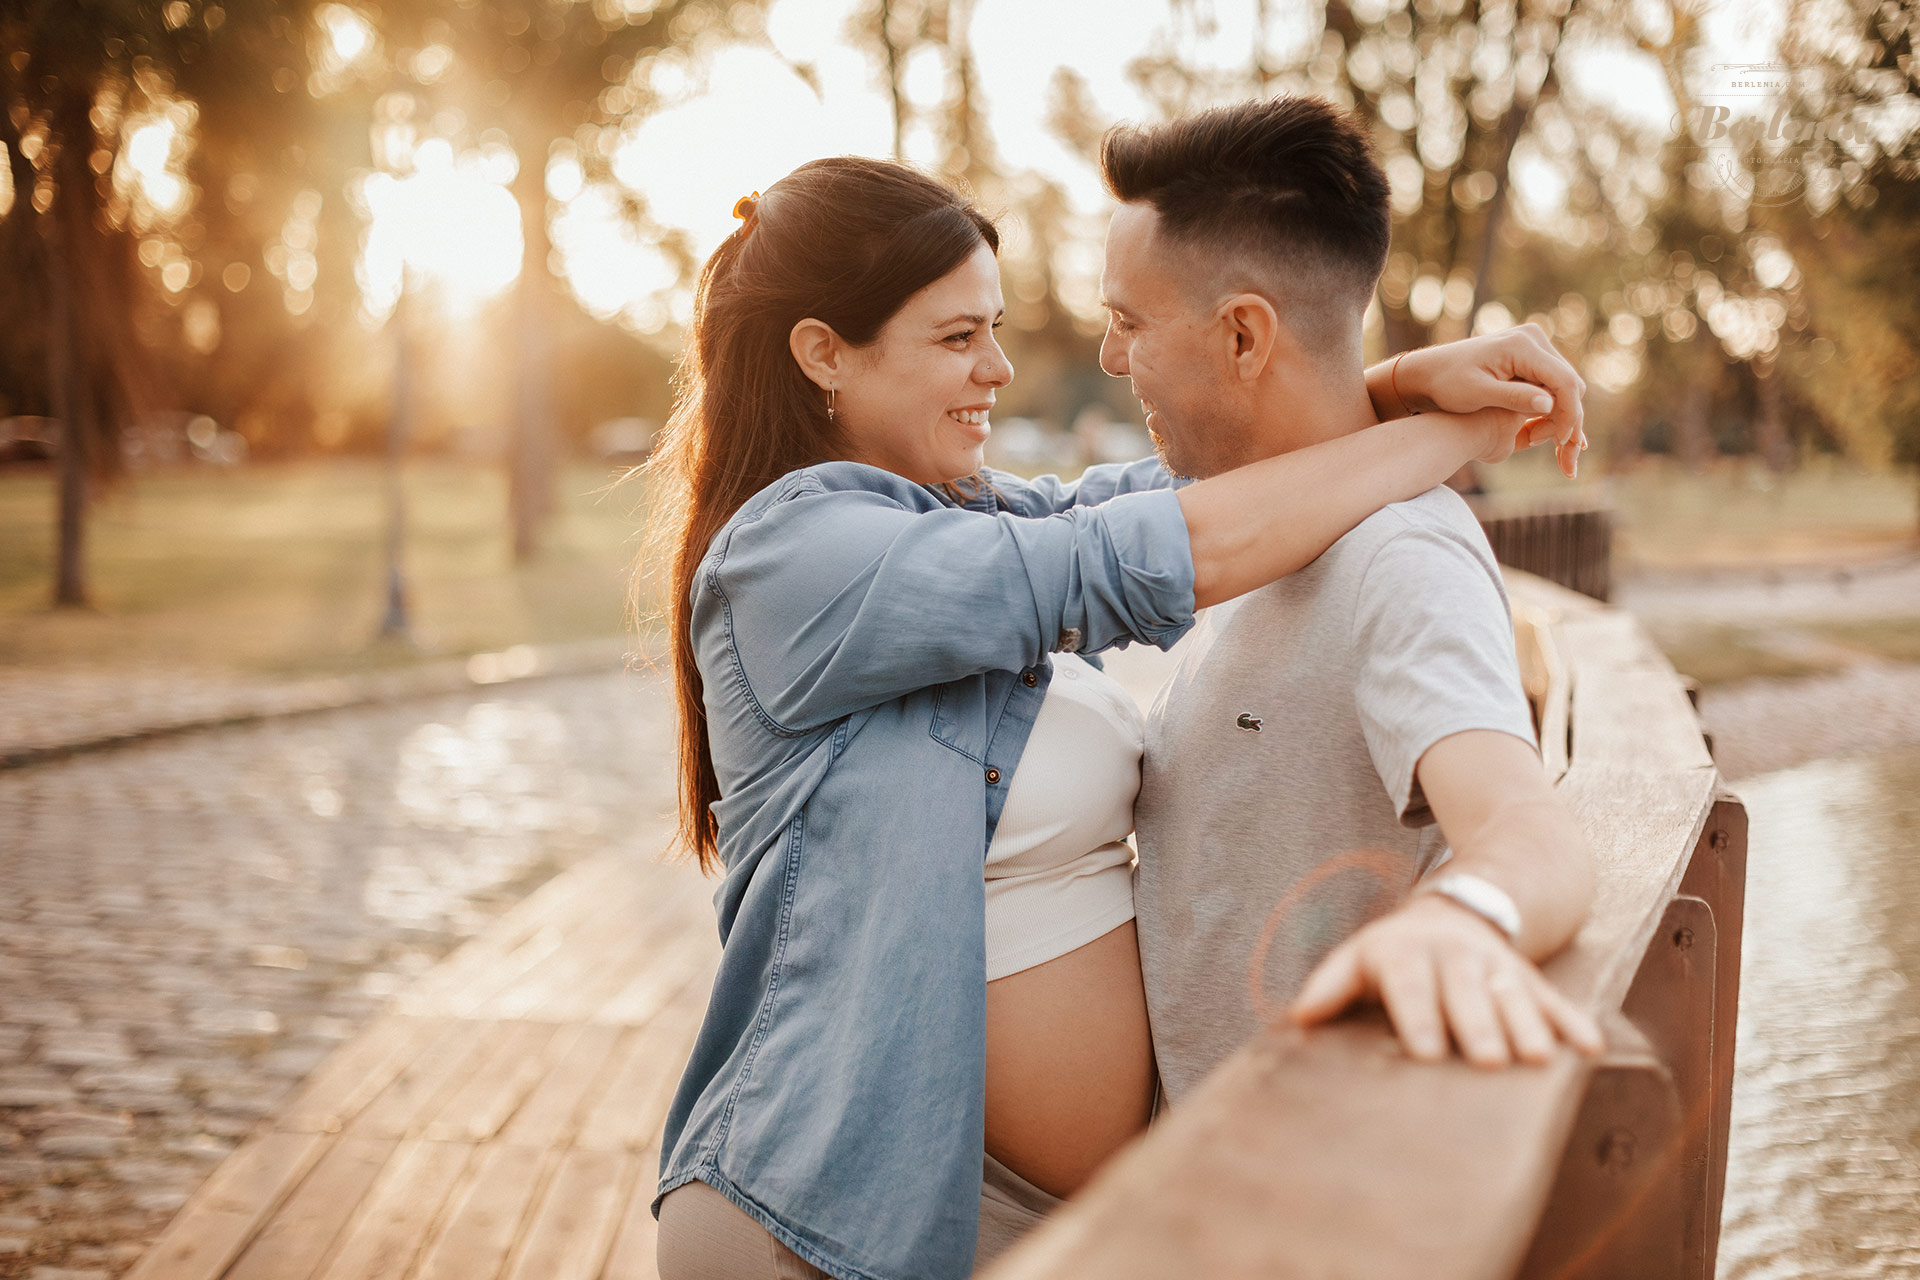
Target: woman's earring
x=830, y=413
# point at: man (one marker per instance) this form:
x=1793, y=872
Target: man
x=1345, y=708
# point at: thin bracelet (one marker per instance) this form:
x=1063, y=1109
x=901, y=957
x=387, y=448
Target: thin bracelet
x=1393, y=380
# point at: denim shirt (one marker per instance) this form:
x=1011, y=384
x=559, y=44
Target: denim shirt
x=874, y=657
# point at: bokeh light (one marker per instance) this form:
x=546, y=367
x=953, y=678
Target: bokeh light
x=343, y=46
x=450, y=222
x=149, y=173
x=617, y=269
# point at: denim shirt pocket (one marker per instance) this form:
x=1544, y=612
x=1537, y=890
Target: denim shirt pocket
x=959, y=717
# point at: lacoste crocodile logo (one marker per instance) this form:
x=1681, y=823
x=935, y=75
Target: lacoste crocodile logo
x=1249, y=722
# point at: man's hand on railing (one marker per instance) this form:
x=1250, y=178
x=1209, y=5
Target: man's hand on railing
x=1512, y=369
x=1439, y=969
x=1437, y=965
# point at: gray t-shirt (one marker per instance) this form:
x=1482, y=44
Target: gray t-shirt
x=1287, y=736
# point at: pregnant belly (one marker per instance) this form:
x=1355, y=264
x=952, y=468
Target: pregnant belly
x=1069, y=1062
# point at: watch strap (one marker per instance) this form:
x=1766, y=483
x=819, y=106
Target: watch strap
x=1482, y=897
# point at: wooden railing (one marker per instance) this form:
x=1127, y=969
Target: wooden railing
x=1333, y=1154
x=1566, y=539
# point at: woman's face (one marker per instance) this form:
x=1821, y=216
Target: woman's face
x=915, y=401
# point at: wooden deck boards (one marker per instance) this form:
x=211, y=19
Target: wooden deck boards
x=502, y=1122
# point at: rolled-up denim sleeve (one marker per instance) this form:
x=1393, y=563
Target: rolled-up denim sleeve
x=1101, y=483
x=832, y=601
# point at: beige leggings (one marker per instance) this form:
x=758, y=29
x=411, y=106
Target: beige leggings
x=705, y=1236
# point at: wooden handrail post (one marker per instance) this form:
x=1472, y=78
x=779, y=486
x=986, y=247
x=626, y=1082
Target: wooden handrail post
x=1672, y=1001
x=1613, y=1212
x=1717, y=874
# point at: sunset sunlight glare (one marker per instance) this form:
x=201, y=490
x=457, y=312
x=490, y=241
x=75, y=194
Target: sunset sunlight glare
x=449, y=221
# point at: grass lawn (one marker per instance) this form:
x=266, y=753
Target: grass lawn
x=1721, y=654
x=1896, y=639
x=279, y=568
x=1739, y=513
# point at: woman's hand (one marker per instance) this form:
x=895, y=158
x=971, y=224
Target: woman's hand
x=1439, y=968
x=1512, y=369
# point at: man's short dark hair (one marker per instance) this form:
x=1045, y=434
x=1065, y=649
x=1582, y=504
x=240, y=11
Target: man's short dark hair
x=1287, y=188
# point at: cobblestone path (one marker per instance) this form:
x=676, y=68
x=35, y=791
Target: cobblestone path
x=51, y=710
x=188, y=925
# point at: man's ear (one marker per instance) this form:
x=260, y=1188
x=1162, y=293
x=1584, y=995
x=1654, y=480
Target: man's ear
x=819, y=351
x=1251, y=329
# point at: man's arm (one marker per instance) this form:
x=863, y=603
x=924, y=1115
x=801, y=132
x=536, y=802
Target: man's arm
x=1505, y=824
x=1437, y=966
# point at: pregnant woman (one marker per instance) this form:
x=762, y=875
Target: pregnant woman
x=875, y=650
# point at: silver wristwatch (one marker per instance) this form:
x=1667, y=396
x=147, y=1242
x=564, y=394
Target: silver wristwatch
x=1482, y=897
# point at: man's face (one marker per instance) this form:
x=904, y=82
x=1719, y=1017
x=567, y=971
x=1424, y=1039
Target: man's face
x=1160, y=337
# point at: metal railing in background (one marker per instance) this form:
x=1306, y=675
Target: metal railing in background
x=1565, y=539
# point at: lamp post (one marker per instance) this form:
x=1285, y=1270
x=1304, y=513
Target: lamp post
x=394, y=623
x=392, y=138
x=439, y=219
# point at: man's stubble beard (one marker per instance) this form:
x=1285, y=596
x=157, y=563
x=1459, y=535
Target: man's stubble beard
x=1202, y=449
x=1162, y=451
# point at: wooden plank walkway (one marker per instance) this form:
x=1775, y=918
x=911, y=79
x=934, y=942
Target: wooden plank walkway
x=501, y=1121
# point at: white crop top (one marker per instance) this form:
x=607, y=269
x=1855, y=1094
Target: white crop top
x=1059, y=870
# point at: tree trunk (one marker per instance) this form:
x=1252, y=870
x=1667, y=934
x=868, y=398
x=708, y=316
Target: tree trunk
x=895, y=93
x=71, y=399
x=530, y=453
x=968, y=153
x=70, y=404
x=98, y=378
x=1403, y=332
x=1692, y=429
x=1770, y=439
x=1512, y=128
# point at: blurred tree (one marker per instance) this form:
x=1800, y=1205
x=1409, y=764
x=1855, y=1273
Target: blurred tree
x=264, y=333
x=1665, y=274
x=1855, y=234
x=1767, y=243
x=1651, y=202
x=901, y=33
x=545, y=73
x=88, y=173
x=249, y=277
x=546, y=79
x=1449, y=91
x=883, y=23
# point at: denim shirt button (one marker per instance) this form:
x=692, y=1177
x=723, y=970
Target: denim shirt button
x=993, y=777
x=1029, y=679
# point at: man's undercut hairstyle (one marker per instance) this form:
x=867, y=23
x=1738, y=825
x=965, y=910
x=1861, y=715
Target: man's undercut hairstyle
x=1284, y=194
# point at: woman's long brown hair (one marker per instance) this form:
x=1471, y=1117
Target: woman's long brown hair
x=846, y=241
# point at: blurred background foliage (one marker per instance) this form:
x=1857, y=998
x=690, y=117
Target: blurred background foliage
x=293, y=230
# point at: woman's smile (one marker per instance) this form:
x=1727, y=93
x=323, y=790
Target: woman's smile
x=975, y=420
x=940, y=344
